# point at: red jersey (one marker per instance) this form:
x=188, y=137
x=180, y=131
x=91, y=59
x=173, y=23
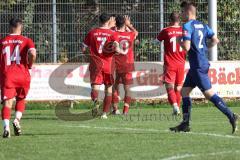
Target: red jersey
x=99, y=41
x=14, y=52
x=125, y=63
x=174, y=56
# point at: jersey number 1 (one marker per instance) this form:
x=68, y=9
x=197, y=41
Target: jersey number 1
x=15, y=56
x=174, y=41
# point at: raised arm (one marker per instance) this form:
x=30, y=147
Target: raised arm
x=130, y=25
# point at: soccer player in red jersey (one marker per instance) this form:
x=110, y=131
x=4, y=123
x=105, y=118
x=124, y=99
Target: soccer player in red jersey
x=174, y=61
x=102, y=43
x=17, y=55
x=124, y=63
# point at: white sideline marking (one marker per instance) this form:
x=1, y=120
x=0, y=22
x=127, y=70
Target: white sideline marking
x=155, y=130
x=198, y=155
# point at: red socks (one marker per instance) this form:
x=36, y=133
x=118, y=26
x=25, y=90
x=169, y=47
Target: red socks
x=94, y=95
x=115, y=97
x=172, y=98
x=107, y=103
x=20, y=105
x=125, y=109
x=6, y=113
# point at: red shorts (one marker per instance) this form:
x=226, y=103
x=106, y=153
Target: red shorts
x=124, y=78
x=174, y=75
x=101, y=78
x=15, y=84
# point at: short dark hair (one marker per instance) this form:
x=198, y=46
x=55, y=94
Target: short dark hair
x=184, y=4
x=14, y=22
x=174, y=17
x=120, y=20
x=103, y=18
x=114, y=15
x=187, y=5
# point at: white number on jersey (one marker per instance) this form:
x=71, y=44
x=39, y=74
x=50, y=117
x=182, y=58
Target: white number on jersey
x=200, y=33
x=124, y=45
x=174, y=41
x=15, y=55
x=102, y=41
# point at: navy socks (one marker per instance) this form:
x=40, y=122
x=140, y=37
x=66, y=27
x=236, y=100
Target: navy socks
x=186, y=108
x=220, y=104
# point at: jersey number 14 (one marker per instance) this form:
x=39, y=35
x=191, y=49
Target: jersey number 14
x=14, y=57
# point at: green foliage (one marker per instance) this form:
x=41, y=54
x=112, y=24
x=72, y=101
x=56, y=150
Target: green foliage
x=7, y=4
x=28, y=17
x=228, y=20
x=146, y=18
x=147, y=51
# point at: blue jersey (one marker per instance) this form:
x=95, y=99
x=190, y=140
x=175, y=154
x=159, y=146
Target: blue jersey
x=198, y=33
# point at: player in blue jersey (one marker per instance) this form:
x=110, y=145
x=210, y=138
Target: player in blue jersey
x=194, y=41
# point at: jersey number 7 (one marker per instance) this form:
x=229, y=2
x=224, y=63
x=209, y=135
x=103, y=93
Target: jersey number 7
x=15, y=56
x=102, y=41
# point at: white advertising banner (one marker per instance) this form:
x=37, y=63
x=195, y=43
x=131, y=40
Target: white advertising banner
x=71, y=81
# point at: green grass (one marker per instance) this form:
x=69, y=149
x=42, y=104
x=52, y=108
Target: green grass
x=141, y=137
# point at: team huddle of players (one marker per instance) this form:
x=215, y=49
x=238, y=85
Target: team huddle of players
x=111, y=49
x=111, y=52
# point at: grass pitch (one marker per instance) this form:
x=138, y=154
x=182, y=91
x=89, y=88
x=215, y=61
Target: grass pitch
x=141, y=135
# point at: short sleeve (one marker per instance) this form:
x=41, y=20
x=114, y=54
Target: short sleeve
x=30, y=45
x=161, y=36
x=87, y=40
x=210, y=32
x=187, y=31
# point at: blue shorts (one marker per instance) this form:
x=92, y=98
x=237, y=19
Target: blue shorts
x=198, y=78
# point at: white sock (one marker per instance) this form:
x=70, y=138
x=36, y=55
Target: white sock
x=175, y=105
x=18, y=116
x=6, y=124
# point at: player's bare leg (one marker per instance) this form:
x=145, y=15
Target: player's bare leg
x=221, y=105
x=6, y=115
x=107, y=101
x=186, y=108
x=94, y=97
x=116, y=99
x=19, y=109
x=178, y=89
x=172, y=98
x=127, y=99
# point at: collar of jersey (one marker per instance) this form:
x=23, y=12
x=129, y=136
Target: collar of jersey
x=14, y=34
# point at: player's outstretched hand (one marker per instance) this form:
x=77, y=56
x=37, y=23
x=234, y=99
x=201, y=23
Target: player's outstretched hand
x=127, y=20
x=112, y=22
